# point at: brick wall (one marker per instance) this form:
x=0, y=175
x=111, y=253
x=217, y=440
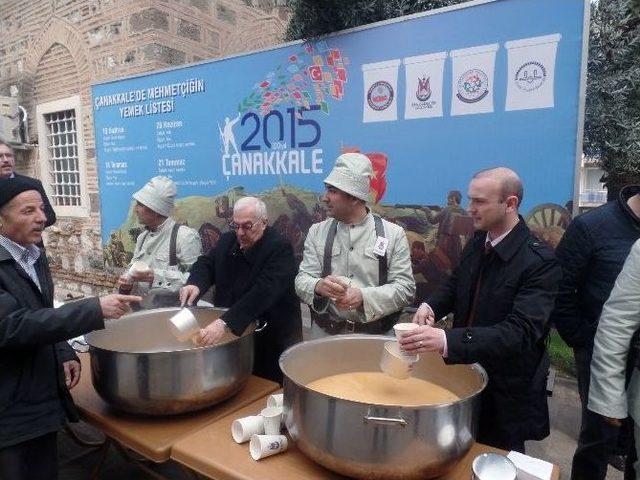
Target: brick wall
x=54, y=49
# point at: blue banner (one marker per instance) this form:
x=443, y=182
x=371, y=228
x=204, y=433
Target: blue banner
x=431, y=99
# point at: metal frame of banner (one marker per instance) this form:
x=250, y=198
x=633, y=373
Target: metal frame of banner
x=582, y=96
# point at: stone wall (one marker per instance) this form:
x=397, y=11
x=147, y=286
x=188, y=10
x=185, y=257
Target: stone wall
x=54, y=49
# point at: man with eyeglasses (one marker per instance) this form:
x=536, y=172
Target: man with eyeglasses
x=356, y=269
x=7, y=170
x=253, y=269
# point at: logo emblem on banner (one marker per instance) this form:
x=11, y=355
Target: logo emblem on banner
x=424, y=89
x=380, y=95
x=531, y=76
x=473, y=86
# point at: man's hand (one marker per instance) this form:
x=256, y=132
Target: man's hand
x=211, y=334
x=71, y=373
x=146, y=276
x=616, y=422
x=125, y=281
x=424, y=315
x=116, y=305
x=423, y=339
x=188, y=295
x=330, y=287
x=351, y=300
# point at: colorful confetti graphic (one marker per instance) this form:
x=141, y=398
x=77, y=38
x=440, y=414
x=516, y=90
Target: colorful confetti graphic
x=313, y=76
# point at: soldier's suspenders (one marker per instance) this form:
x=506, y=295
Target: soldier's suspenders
x=383, y=268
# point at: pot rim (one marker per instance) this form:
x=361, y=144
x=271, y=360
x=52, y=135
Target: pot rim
x=475, y=366
x=173, y=353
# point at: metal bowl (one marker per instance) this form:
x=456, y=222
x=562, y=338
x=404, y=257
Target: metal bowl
x=138, y=366
x=370, y=441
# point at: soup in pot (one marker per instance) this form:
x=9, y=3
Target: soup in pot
x=379, y=388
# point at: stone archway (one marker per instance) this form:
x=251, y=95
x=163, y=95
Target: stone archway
x=58, y=31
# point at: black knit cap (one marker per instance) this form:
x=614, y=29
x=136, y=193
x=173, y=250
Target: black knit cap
x=11, y=187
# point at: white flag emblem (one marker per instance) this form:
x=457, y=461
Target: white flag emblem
x=531, y=70
x=423, y=98
x=472, y=87
x=380, y=91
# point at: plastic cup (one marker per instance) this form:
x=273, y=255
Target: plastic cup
x=243, y=429
x=275, y=400
x=262, y=446
x=138, y=267
x=394, y=363
x=490, y=466
x=183, y=325
x=272, y=420
x=400, y=329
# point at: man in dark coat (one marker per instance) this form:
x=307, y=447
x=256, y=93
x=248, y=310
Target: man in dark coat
x=501, y=295
x=37, y=367
x=7, y=167
x=253, y=270
x=592, y=253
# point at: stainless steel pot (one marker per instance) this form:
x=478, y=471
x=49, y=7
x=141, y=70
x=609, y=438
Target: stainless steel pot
x=138, y=366
x=372, y=441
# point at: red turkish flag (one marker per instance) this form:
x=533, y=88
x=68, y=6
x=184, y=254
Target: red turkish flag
x=315, y=72
x=378, y=181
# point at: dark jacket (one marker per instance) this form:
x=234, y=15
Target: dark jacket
x=34, y=399
x=48, y=209
x=591, y=253
x=255, y=286
x=508, y=331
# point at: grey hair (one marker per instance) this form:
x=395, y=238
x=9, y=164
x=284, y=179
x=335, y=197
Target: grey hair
x=259, y=206
x=6, y=142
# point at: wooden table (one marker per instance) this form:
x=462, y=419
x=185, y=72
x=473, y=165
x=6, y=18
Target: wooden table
x=212, y=452
x=153, y=437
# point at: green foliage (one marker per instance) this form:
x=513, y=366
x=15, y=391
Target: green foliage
x=311, y=18
x=612, y=116
x=561, y=355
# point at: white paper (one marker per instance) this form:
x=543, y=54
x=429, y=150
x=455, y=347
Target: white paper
x=423, y=75
x=472, y=79
x=531, y=72
x=380, y=91
x=530, y=468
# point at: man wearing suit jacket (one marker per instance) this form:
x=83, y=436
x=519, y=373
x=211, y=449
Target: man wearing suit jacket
x=37, y=365
x=501, y=296
x=7, y=166
x=619, y=321
x=253, y=270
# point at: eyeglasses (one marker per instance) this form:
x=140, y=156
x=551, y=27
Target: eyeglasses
x=244, y=226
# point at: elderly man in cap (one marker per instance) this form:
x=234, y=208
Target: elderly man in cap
x=252, y=269
x=38, y=367
x=356, y=269
x=7, y=170
x=166, y=247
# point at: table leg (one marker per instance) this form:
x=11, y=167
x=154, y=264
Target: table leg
x=103, y=455
x=128, y=456
x=189, y=474
x=81, y=441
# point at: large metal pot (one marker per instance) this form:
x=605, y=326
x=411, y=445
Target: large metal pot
x=372, y=441
x=138, y=366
